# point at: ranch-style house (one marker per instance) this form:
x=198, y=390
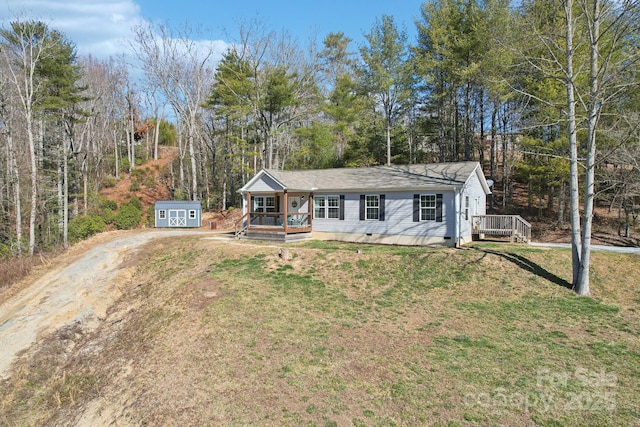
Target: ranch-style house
x=423, y=204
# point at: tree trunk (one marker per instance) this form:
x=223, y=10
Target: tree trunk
x=582, y=287
x=574, y=198
x=156, y=138
x=34, y=184
x=192, y=154
x=65, y=205
x=388, y=138
x=15, y=178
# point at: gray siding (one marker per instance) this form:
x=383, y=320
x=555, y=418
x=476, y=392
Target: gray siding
x=177, y=214
x=264, y=184
x=398, y=217
x=477, y=204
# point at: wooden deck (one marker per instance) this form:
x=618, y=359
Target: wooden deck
x=514, y=226
x=272, y=226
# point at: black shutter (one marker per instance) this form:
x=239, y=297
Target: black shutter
x=438, y=207
x=381, y=216
x=341, y=214
x=416, y=208
x=362, y=207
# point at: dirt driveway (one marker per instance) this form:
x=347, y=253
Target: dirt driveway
x=79, y=290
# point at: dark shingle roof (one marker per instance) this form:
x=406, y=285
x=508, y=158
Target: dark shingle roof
x=434, y=175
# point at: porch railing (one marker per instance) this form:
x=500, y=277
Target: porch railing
x=514, y=226
x=274, y=221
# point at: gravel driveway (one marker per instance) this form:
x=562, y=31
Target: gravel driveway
x=78, y=292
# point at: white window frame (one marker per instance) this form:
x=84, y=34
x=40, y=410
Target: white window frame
x=162, y=214
x=192, y=214
x=261, y=204
x=326, y=207
x=428, y=210
x=466, y=208
x=372, y=207
x=333, y=207
x=319, y=207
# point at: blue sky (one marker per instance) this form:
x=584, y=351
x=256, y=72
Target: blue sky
x=102, y=27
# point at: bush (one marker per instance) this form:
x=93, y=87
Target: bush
x=138, y=174
x=136, y=202
x=82, y=227
x=128, y=217
x=109, y=181
x=108, y=216
x=151, y=216
x=179, y=194
x=104, y=203
x=149, y=182
x=5, y=251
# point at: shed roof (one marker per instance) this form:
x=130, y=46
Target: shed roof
x=178, y=204
x=400, y=177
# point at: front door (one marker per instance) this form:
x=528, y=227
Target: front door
x=178, y=218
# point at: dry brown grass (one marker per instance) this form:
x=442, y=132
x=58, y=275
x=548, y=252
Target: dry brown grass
x=225, y=333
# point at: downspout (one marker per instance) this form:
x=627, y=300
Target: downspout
x=456, y=204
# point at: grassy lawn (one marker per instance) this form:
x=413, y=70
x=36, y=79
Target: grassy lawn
x=350, y=335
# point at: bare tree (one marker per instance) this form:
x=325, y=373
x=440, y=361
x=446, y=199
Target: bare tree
x=25, y=45
x=179, y=66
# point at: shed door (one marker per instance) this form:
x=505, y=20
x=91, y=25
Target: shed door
x=178, y=218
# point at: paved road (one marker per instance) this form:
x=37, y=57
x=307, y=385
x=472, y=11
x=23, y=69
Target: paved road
x=619, y=249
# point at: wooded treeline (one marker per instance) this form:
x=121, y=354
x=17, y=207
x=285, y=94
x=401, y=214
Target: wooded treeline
x=484, y=80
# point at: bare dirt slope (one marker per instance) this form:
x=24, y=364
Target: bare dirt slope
x=77, y=291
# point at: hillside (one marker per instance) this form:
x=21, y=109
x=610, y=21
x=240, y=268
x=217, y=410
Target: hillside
x=212, y=331
x=150, y=182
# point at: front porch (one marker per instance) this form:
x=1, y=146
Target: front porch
x=278, y=216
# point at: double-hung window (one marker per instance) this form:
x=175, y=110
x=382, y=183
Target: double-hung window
x=192, y=214
x=320, y=207
x=326, y=207
x=162, y=214
x=427, y=207
x=333, y=207
x=372, y=203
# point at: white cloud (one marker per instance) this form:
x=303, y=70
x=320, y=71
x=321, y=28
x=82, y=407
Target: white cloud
x=97, y=27
x=101, y=28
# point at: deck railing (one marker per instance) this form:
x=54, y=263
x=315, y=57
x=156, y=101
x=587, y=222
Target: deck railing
x=514, y=226
x=274, y=221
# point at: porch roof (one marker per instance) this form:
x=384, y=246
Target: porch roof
x=400, y=177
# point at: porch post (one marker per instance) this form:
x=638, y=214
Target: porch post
x=285, y=201
x=248, y=209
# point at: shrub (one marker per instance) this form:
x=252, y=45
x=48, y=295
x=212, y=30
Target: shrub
x=138, y=173
x=149, y=182
x=82, y=227
x=108, y=216
x=179, y=194
x=104, y=203
x=135, y=185
x=5, y=251
x=109, y=181
x=128, y=217
x=124, y=165
x=134, y=201
x=151, y=216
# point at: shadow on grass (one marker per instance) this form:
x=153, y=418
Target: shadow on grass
x=529, y=266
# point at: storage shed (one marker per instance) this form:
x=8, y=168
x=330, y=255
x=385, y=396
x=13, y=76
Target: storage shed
x=178, y=214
